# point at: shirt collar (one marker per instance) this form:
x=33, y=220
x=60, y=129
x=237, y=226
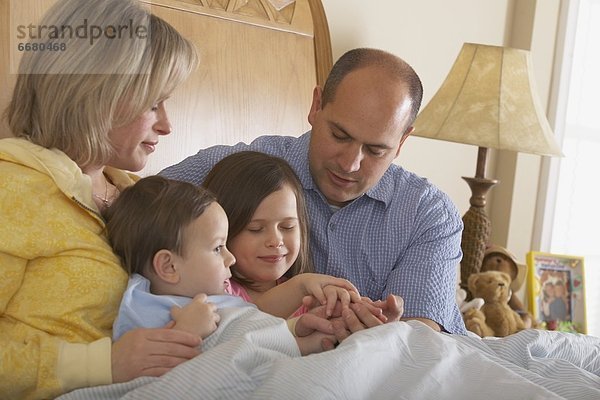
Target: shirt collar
x=384, y=189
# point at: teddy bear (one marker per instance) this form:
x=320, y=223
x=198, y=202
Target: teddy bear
x=497, y=258
x=495, y=318
x=475, y=322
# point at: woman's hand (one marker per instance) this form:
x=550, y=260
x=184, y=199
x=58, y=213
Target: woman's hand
x=316, y=342
x=151, y=352
x=197, y=317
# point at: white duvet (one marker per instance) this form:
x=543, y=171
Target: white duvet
x=253, y=356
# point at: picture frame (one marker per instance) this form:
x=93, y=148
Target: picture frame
x=556, y=291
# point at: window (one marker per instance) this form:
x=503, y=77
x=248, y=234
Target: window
x=575, y=224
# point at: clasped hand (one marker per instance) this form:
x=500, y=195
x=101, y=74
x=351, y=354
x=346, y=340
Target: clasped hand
x=344, y=314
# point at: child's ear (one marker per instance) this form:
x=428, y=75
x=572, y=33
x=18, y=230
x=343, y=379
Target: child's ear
x=163, y=264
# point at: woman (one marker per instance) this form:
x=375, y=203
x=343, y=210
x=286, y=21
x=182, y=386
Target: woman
x=80, y=116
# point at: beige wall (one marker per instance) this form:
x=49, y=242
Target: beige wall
x=429, y=34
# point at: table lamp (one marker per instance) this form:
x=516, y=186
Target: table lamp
x=488, y=100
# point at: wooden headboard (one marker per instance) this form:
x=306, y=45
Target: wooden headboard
x=259, y=62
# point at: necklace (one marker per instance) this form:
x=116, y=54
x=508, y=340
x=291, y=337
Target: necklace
x=106, y=201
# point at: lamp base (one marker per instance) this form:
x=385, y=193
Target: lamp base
x=477, y=229
x=475, y=236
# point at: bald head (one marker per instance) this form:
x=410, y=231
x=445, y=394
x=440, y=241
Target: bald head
x=395, y=68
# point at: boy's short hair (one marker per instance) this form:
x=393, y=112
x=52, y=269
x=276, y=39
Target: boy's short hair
x=152, y=215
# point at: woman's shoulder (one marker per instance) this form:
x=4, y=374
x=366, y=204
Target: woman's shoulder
x=23, y=162
x=32, y=159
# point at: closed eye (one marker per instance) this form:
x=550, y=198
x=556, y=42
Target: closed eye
x=340, y=137
x=376, y=151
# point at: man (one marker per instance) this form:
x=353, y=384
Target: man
x=371, y=222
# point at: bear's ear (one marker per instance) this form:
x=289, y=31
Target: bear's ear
x=472, y=283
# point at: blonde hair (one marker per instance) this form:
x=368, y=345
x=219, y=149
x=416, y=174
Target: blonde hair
x=70, y=99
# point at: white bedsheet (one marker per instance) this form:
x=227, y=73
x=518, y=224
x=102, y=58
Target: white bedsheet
x=253, y=356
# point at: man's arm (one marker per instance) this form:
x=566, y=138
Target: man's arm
x=426, y=273
x=195, y=167
x=432, y=324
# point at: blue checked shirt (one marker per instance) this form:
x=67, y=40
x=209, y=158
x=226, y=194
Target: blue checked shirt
x=402, y=237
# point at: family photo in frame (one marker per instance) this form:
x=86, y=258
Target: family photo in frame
x=557, y=291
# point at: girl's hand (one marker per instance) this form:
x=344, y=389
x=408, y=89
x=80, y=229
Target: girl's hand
x=339, y=288
x=376, y=309
x=198, y=317
x=333, y=294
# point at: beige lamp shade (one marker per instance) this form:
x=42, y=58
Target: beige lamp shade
x=489, y=100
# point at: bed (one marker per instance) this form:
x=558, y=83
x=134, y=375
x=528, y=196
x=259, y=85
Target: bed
x=253, y=356
x=260, y=60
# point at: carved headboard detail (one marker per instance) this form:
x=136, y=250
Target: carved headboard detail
x=259, y=62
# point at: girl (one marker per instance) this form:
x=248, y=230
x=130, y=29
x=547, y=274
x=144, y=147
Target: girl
x=268, y=231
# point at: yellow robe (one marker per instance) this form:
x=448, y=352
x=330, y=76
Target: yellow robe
x=60, y=284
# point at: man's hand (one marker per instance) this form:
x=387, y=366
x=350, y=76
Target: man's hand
x=355, y=319
x=360, y=316
x=392, y=307
x=151, y=352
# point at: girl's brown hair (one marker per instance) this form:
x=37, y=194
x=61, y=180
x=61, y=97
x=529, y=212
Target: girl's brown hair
x=242, y=181
x=150, y=216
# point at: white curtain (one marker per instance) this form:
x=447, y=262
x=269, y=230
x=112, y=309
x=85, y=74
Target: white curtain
x=576, y=224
